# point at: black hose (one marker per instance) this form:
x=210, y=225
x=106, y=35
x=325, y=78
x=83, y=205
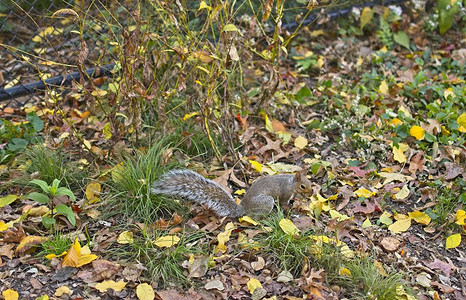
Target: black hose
x=22, y=90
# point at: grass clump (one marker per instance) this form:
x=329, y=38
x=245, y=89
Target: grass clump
x=56, y=245
x=131, y=197
x=289, y=252
x=163, y=264
x=50, y=164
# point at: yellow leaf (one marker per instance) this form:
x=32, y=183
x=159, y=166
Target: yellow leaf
x=362, y=192
x=395, y=122
x=398, y=155
x=107, y=131
x=385, y=218
x=230, y=27
x=72, y=256
x=383, y=88
x=62, y=291
x=366, y=16
x=403, y=193
x=126, y=237
x=420, y=217
x=85, y=259
x=10, y=294
x=167, y=241
x=400, y=226
x=43, y=297
x=390, y=177
x=453, y=241
x=110, y=284
x=460, y=218
x=92, y=192
x=268, y=124
x=3, y=226
x=50, y=256
x=256, y=165
x=240, y=192
x=461, y=122
x=4, y=201
x=300, y=142
x=253, y=284
x=190, y=115
x=249, y=220
x=145, y=292
x=336, y=215
x=224, y=237
x=448, y=93
x=366, y=223
x=344, y=272
x=417, y=132
x=99, y=93
x=204, y=5
x=30, y=241
x=288, y=227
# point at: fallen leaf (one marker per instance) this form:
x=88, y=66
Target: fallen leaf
x=400, y=225
x=420, y=217
x=28, y=242
x=300, y=142
x=110, y=284
x=126, y=237
x=453, y=241
x=224, y=237
x=214, y=285
x=62, y=291
x=288, y=227
x=390, y=243
x=417, y=132
x=145, y=292
x=402, y=194
x=460, y=217
x=253, y=284
x=167, y=241
x=362, y=192
x=259, y=264
x=10, y=294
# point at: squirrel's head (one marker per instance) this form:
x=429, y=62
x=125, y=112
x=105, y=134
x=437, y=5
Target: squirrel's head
x=302, y=184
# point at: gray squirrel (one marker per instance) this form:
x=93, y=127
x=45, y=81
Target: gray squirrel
x=259, y=198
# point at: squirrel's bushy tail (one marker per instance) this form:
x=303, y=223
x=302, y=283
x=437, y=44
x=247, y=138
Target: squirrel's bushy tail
x=194, y=187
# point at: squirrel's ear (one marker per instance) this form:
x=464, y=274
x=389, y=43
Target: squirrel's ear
x=299, y=175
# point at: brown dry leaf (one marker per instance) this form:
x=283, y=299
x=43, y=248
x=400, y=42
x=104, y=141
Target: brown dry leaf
x=197, y=267
x=7, y=250
x=368, y=207
x=175, y=295
x=259, y=264
x=452, y=170
x=417, y=163
x=433, y=126
x=104, y=269
x=390, y=243
x=270, y=146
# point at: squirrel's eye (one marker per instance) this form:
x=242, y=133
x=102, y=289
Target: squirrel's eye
x=303, y=187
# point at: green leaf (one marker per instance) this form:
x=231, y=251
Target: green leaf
x=36, y=122
x=41, y=198
x=17, y=144
x=67, y=212
x=402, y=38
x=42, y=184
x=4, y=201
x=230, y=27
x=48, y=222
x=54, y=187
x=64, y=191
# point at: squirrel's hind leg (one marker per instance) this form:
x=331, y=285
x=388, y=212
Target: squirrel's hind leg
x=263, y=204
